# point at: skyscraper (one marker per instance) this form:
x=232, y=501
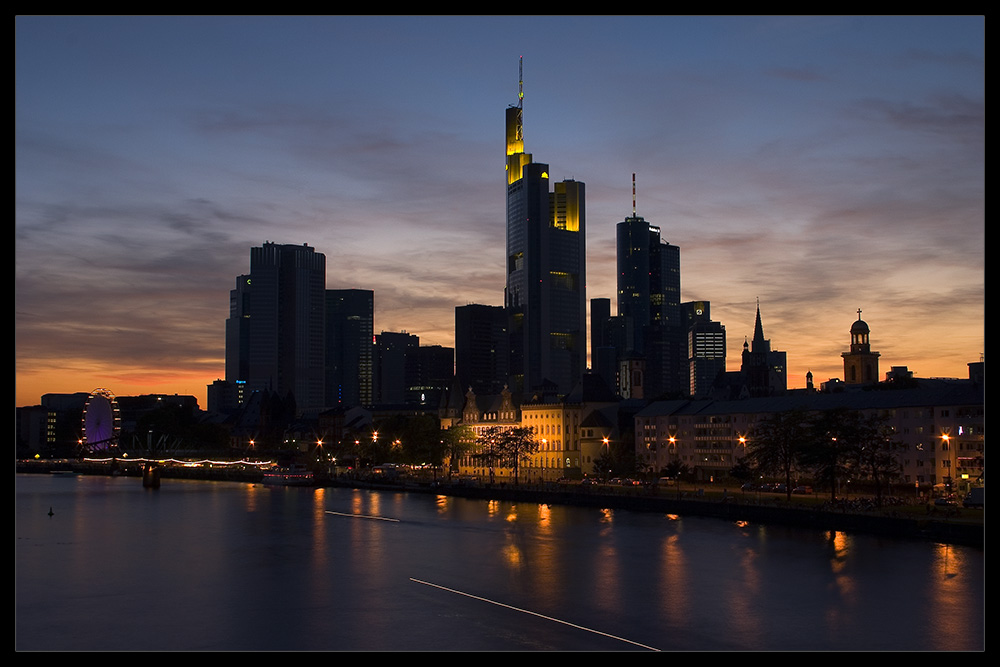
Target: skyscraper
x=706, y=347
x=545, y=292
x=396, y=366
x=350, y=315
x=481, y=348
x=649, y=289
x=274, y=335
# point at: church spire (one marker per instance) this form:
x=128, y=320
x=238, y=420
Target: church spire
x=758, y=328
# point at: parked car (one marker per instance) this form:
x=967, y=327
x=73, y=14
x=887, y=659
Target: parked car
x=802, y=489
x=976, y=497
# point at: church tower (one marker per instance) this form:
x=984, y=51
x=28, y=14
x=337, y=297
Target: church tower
x=860, y=364
x=763, y=370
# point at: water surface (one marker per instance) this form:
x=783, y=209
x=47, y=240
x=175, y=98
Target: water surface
x=231, y=566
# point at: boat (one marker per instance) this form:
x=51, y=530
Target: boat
x=293, y=475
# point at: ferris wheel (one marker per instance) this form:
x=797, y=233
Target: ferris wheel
x=101, y=422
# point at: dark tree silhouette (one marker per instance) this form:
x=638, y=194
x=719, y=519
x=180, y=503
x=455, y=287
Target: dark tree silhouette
x=776, y=444
x=827, y=452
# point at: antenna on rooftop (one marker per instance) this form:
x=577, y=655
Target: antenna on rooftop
x=633, y=194
x=520, y=80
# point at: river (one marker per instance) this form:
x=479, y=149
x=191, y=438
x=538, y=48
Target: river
x=103, y=564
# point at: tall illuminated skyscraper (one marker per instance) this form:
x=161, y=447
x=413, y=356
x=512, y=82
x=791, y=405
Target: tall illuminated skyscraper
x=545, y=292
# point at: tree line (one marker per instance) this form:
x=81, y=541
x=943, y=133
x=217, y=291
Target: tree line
x=831, y=446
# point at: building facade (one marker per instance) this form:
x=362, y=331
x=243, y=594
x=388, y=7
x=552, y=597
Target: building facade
x=937, y=425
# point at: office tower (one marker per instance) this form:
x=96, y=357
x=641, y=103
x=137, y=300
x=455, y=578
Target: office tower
x=763, y=369
x=395, y=366
x=350, y=316
x=860, y=364
x=238, y=332
x=649, y=287
x=545, y=292
x=481, y=348
x=274, y=335
x=706, y=347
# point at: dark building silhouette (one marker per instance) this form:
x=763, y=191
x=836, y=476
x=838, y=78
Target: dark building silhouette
x=275, y=331
x=649, y=288
x=545, y=292
x=395, y=366
x=860, y=364
x=481, y=348
x=763, y=371
x=350, y=316
x=433, y=375
x=603, y=352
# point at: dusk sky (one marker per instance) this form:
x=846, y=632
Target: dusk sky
x=822, y=164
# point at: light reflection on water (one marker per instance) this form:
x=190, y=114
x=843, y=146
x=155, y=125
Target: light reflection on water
x=211, y=566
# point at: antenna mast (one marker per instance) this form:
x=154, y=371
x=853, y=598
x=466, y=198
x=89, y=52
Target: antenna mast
x=520, y=80
x=633, y=194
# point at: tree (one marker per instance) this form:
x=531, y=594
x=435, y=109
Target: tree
x=506, y=447
x=776, y=444
x=617, y=458
x=742, y=471
x=457, y=442
x=412, y=439
x=827, y=451
x=490, y=448
x=873, y=451
x=675, y=469
x=518, y=445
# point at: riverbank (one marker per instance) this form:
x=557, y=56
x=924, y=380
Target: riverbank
x=917, y=521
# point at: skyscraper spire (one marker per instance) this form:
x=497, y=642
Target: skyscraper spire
x=516, y=157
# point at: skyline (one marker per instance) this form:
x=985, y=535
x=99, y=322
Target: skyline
x=820, y=164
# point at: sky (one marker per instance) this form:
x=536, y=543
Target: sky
x=820, y=164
